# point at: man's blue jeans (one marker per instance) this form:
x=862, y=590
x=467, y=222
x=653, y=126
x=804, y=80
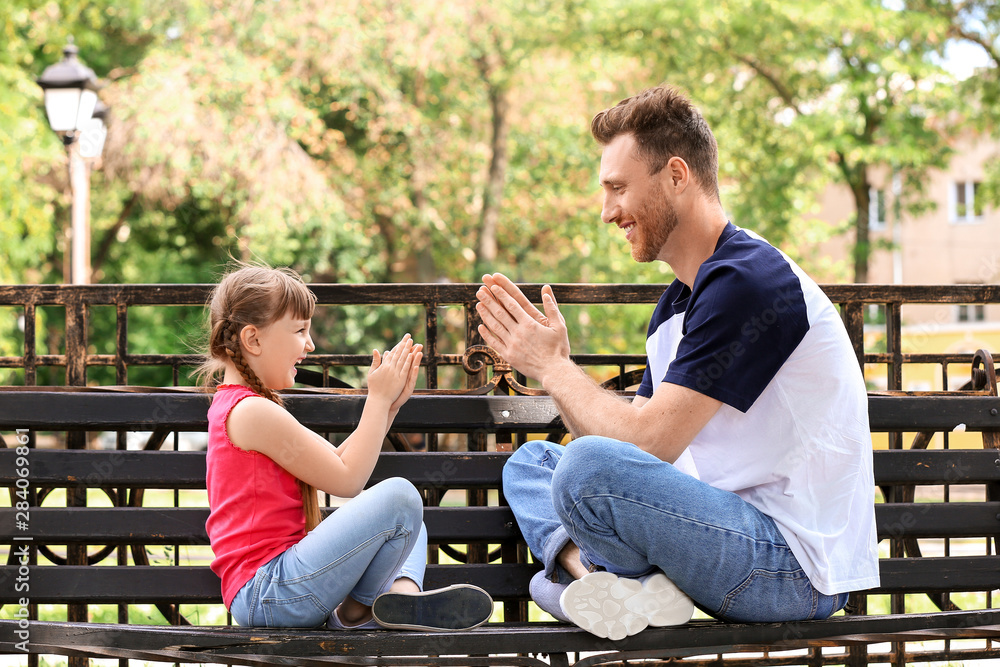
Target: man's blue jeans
x=359, y=550
x=629, y=513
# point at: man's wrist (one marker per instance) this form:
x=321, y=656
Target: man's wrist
x=557, y=372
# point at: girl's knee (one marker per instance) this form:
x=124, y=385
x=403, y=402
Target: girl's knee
x=400, y=495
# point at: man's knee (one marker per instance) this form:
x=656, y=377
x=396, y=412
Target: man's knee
x=533, y=453
x=586, y=461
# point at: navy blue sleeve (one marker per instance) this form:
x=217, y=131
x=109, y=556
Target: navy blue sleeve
x=670, y=303
x=744, y=319
x=646, y=386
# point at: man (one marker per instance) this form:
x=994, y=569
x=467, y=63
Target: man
x=740, y=476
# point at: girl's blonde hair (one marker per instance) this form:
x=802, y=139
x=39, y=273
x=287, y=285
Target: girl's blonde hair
x=258, y=296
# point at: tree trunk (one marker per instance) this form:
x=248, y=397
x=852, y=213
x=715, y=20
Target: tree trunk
x=860, y=187
x=493, y=196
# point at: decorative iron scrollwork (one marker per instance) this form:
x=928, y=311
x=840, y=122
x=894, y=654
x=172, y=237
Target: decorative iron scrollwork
x=475, y=360
x=984, y=373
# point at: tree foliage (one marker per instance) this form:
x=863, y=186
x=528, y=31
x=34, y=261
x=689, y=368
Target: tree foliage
x=420, y=140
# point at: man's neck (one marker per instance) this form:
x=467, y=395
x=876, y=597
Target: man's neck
x=694, y=240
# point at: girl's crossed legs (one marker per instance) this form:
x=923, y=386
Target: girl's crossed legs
x=358, y=551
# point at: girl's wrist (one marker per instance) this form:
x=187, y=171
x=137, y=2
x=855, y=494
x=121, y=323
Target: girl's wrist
x=378, y=401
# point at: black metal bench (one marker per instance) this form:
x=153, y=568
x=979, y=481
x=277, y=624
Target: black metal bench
x=128, y=529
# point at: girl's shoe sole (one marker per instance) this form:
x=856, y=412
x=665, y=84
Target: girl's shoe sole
x=458, y=607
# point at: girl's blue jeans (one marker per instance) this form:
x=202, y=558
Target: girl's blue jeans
x=630, y=513
x=359, y=550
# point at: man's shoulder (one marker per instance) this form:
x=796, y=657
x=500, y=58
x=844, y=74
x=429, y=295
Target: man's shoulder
x=672, y=302
x=748, y=272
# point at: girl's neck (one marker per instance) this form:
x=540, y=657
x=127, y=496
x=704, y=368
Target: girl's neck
x=233, y=376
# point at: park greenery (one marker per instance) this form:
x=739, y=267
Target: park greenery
x=433, y=140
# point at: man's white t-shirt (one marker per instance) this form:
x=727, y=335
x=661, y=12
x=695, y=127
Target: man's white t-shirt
x=792, y=435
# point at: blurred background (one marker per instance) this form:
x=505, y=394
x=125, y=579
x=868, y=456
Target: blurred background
x=428, y=141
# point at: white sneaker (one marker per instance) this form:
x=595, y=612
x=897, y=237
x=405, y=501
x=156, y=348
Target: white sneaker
x=614, y=607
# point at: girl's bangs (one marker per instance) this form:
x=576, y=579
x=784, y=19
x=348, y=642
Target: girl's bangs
x=298, y=300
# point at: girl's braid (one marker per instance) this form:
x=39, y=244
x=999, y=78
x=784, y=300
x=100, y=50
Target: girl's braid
x=231, y=341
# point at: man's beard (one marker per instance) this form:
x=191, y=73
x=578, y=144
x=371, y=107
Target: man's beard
x=658, y=219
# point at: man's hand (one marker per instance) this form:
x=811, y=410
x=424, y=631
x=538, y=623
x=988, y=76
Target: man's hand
x=534, y=343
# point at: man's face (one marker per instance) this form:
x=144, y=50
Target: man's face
x=634, y=200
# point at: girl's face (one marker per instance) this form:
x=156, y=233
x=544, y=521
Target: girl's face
x=283, y=344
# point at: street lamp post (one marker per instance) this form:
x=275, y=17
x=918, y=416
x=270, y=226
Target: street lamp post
x=76, y=115
x=74, y=111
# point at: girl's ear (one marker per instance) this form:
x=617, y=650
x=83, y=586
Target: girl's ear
x=250, y=339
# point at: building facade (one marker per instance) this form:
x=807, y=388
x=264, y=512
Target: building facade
x=956, y=240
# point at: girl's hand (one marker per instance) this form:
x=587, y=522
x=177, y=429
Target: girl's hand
x=392, y=373
x=411, y=382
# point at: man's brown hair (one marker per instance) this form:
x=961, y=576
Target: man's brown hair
x=665, y=124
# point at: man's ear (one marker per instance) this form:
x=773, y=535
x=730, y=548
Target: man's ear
x=676, y=174
x=250, y=339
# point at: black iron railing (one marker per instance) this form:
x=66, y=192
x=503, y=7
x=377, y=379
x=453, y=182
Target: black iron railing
x=76, y=304
x=70, y=352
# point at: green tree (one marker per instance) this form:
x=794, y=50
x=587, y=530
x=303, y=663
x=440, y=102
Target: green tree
x=800, y=94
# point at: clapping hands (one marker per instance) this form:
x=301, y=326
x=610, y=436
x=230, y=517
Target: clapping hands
x=393, y=374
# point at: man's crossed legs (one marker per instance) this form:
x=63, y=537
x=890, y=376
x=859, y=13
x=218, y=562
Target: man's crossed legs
x=645, y=529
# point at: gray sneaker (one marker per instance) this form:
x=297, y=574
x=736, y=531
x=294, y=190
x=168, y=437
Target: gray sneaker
x=546, y=594
x=614, y=607
x=333, y=622
x=458, y=607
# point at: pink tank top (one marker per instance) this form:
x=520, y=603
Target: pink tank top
x=256, y=506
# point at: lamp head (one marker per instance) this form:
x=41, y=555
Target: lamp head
x=70, y=92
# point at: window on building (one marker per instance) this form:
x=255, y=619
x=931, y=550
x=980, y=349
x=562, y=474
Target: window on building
x=876, y=210
x=967, y=202
x=972, y=313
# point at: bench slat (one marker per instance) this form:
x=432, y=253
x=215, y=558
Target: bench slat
x=184, y=584
x=936, y=412
x=172, y=525
x=228, y=644
x=936, y=466
x=110, y=410
x=938, y=574
x=191, y=584
x=954, y=519
x=186, y=470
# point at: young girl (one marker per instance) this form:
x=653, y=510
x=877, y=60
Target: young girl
x=363, y=566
